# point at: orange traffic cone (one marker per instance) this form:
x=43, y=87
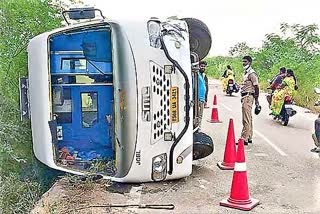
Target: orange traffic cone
x=214, y=112
x=230, y=150
x=239, y=197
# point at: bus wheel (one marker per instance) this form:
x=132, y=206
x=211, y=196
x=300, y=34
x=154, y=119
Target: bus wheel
x=202, y=145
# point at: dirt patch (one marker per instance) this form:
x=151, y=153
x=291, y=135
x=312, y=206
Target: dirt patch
x=72, y=193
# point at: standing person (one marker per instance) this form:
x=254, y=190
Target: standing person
x=202, y=88
x=249, y=94
x=203, y=65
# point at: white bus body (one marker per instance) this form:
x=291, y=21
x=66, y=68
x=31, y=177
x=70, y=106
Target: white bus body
x=113, y=98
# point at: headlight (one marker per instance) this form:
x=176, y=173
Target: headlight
x=159, y=167
x=154, y=33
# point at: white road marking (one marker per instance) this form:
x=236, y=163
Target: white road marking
x=226, y=107
x=134, y=197
x=270, y=143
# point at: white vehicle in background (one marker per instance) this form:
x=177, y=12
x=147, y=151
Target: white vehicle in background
x=117, y=99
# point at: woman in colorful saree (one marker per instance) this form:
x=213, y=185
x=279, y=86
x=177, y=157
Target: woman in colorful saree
x=286, y=88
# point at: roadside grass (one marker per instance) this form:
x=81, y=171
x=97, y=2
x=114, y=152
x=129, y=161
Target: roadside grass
x=23, y=179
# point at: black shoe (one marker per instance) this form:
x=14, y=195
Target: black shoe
x=250, y=141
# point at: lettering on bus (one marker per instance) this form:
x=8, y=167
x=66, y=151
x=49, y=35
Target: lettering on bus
x=146, y=104
x=174, y=104
x=138, y=157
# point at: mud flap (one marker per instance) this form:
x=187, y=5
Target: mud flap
x=202, y=145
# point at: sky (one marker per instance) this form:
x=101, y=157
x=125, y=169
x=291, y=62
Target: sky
x=229, y=21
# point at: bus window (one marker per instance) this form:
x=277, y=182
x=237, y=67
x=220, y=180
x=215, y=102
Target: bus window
x=73, y=64
x=89, y=110
x=62, y=104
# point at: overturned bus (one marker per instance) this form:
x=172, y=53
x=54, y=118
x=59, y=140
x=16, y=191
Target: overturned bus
x=117, y=98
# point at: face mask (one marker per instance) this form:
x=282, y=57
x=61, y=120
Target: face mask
x=246, y=67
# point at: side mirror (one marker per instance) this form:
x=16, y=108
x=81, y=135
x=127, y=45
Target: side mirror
x=80, y=13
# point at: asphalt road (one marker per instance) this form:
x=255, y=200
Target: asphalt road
x=282, y=172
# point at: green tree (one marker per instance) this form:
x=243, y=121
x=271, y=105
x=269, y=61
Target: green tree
x=306, y=37
x=240, y=49
x=20, y=21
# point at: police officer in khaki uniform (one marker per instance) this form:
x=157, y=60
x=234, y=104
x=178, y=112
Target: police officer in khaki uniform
x=249, y=94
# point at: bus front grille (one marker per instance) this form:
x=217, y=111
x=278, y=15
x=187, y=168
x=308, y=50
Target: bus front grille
x=160, y=87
